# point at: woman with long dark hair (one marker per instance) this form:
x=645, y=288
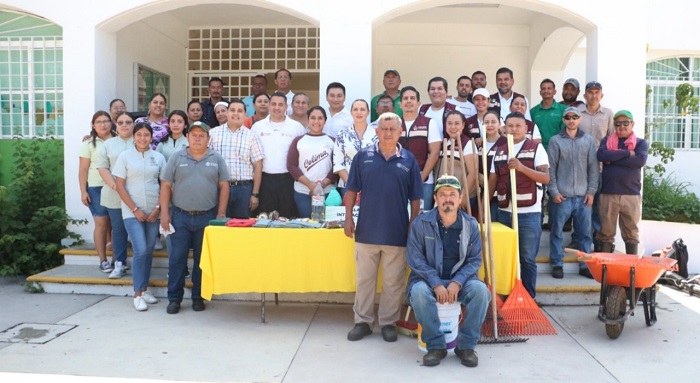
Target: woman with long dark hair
x=194, y=111
x=310, y=160
x=156, y=118
x=91, y=183
x=262, y=109
x=175, y=140
x=106, y=159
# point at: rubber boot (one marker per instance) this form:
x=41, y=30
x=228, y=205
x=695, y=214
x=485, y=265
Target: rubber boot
x=606, y=247
x=631, y=248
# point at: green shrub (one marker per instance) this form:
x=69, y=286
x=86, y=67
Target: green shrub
x=32, y=225
x=667, y=199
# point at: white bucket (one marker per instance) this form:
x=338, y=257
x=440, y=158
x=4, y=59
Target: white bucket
x=449, y=324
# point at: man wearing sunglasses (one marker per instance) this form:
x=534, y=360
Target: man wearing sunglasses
x=444, y=254
x=573, y=181
x=623, y=156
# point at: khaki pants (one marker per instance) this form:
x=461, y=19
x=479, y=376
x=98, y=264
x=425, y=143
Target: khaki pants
x=628, y=208
x=393, y=260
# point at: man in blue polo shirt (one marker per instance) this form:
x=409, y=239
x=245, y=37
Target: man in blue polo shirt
x=388, y=177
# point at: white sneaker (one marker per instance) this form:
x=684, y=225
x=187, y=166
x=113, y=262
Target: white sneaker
x=140, y=304
x=118, y=271
x=159, y=244
x=149, y=298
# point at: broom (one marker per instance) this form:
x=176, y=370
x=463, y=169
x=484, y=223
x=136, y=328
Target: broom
x=520, y=311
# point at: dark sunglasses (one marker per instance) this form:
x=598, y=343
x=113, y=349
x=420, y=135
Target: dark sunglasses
x=622, y=123
x=574, y=117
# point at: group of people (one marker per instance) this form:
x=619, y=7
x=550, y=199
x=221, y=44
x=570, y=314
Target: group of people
x=235, y=158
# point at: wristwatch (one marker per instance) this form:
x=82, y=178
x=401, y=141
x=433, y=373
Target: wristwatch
x=254, y=195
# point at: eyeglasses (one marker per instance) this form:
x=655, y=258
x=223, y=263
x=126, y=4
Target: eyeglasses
x=103, y=122
x=447, y=181
x=125, y=123
x=622, y=123
x=385, y=103
x=574, y=117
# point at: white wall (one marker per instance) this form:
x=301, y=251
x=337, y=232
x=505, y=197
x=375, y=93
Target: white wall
x=160, y=46
x=422, y=51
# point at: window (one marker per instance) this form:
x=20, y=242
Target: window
x=667, y=124
x=237, y=54
x=31, y=76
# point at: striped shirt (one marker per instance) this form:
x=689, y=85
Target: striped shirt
x=240, y=150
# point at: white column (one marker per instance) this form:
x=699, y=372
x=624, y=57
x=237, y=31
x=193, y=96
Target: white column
x=346, y=57
x=79, y=88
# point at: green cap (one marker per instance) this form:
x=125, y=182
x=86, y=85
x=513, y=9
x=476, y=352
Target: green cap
x=201, y=125
x=446, y=180
x=625, y=113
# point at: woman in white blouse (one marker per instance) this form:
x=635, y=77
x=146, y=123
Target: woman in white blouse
x=351, y=140
x=138, y=173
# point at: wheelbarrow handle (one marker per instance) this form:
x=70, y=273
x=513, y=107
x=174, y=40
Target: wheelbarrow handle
x=580, y=254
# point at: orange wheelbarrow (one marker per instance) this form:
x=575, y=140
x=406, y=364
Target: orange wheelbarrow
x=625, y=278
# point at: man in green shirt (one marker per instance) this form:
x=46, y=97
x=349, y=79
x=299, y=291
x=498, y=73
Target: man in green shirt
x=392, y=84
x=548, y=113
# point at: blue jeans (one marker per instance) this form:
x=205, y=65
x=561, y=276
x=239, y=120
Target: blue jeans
x=558, y=214
x=303, y=202
x=239, y=201
x=576, y=235
x=189, y=233
x=95, y=194
x=119, y=235
x=474, y=296
x=427, y=196
x=143, y=239
x=529, y=233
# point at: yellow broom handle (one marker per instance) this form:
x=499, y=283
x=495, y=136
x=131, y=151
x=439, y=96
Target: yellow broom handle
x=514, y=203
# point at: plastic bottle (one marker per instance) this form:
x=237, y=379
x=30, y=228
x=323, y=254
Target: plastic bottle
x=318, y=206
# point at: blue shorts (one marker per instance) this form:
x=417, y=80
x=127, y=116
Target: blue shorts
x=96, y=209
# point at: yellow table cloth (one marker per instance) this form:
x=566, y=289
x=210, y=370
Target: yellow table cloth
x=276, y=260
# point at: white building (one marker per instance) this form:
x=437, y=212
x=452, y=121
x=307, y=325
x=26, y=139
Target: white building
x=110, y=49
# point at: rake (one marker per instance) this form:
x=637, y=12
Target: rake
x=520, y=312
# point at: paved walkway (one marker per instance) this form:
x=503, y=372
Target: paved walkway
x=306, y=343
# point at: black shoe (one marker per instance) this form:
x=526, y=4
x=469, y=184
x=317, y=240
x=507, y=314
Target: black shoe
x=198, y=305
x=585, y=273
x=358, y=332
x=433, y=357
x=173, y=308
x=389, y=333
x=572, y=245
x=545, y=226
x=557, y=272
x=469, y=358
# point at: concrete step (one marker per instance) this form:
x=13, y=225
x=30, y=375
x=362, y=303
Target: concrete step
x=80, y=275
x=81, y=279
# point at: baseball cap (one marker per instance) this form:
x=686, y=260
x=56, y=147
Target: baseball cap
x=394, y=71
x=573, y=82
x=481, y=92
x=446, y=180
x=572, y=109
x=594, y=84
x=625, y=113
x=201, y=125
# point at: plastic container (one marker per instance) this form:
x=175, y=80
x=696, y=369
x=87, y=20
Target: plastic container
x=318, y=204
x=449, y=325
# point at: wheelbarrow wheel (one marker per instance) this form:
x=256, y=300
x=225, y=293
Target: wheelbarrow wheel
x=615, y=308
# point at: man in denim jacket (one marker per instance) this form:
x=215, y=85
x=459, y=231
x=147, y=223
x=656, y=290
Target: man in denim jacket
x=444, y=254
